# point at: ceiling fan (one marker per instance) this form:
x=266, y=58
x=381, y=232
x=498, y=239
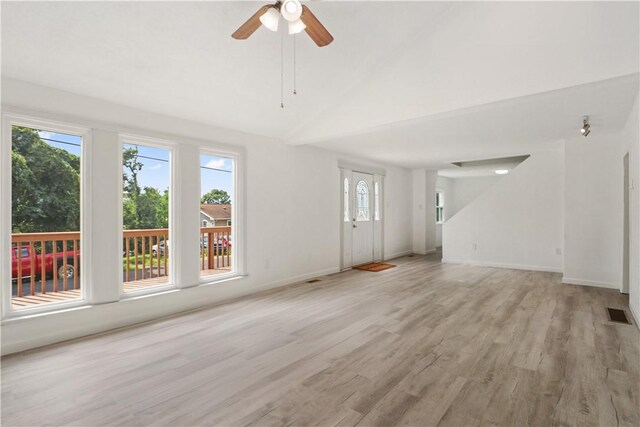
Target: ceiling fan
x=298, y=16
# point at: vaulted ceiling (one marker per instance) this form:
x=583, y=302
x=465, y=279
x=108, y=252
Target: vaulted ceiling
x=401, y=83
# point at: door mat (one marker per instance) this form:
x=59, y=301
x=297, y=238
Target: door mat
x=374, y=266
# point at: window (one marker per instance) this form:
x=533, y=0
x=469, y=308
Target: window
x=439, y=207
x=376, y=201
x=146, y=189
x=45, y=217
x=345, y=200
x=217, y=177
x=362, y=201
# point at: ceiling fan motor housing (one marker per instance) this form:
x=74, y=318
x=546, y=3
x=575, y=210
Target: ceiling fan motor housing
x=291, y=10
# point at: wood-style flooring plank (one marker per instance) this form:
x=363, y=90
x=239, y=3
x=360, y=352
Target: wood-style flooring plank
x=423, y=344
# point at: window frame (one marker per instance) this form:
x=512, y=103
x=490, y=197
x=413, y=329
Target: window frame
x=368, y=202
x=439, y=206
x=56, y=126
x=346, y=188
x=91, y=130
x=377, y=214
x=237, y=217
x=171, y=146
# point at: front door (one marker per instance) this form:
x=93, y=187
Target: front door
x=362, y=234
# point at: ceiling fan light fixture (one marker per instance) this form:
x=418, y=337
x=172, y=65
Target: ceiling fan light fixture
x=270, y=19
x=291, y=10
x=296, y=27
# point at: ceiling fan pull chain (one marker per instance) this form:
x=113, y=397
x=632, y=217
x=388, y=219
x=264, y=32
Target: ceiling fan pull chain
x=295, y=92
x=281, y=69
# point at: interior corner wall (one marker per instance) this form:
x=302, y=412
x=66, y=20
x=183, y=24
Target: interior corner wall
x=593, y=232
x=516, y=223
x=419, y=208
x=292, y=233
x=631, y=144
x=445, y=185
x=467, y=189
x=430, y=228
x=424, y=214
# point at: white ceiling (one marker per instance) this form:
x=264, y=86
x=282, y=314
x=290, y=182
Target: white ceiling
x=394, y=71
x=514, y=127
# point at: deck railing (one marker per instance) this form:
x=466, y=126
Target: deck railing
x=215, y=248
x=47, y=254
x=138, y=247
x=49, y=263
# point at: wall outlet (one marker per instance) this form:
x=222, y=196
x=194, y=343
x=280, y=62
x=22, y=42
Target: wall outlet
x=266, y=263
x=474, y=247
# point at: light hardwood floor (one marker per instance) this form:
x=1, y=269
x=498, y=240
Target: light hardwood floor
x=421, y=344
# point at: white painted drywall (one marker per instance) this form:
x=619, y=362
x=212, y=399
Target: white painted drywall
x=516, y=223
x=593, y=210
x=419, y=210
x=430, y=228
x=631, y=144
x=467, y=189
x=292, y=213
x=424, y=215
x=445, y=185
x=459, y=192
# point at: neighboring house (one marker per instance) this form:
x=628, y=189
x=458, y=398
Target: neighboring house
x=215, y=215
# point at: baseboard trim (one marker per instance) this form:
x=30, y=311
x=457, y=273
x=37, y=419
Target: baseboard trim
x=592, y=283
x=428, y=252
x=397, y=255
x=635, y=316
x=502, y=265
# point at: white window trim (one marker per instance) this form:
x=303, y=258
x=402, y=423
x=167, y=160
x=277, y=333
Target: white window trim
x=58, y=126
x=62, y=122
x=238, y=254
x=441, y=206
x=174, y=258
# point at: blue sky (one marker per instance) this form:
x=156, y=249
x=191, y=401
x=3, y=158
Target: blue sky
x=215, y=172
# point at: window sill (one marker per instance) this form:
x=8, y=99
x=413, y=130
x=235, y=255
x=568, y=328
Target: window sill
x=27, y=314
x=53, y=309
x=219, y=278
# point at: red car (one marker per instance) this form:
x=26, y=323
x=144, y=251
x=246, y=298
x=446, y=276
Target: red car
x=50, y=262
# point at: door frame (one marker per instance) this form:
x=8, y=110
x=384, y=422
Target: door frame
x=626, y=225
x=346, y=171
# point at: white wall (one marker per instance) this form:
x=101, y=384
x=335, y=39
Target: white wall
x=593, y=210
x=445, y=185
x=631, y=144
x=419, y=210
x=517, y=223
x=292, y=213
x=424, y=215
x=466, y=190
x=459, y=192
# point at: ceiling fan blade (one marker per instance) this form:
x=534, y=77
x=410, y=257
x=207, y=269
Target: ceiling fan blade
x=251, y=25
x=315, y=29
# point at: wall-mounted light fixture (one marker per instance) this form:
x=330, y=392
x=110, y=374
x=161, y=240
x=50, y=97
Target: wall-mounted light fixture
x=501, y=171
x=586, y=128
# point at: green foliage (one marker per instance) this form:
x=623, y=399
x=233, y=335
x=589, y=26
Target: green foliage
x=46, y=189
x=45, y=185
x=216, y=197
x=142, y=208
